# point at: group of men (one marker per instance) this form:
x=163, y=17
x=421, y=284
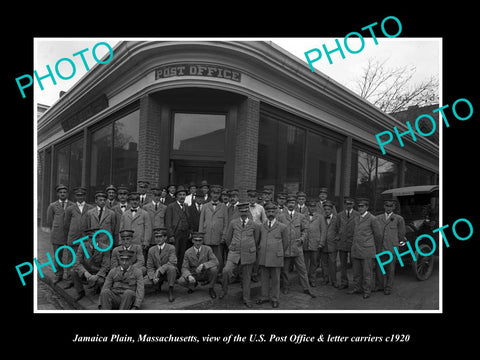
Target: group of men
x=205, y=235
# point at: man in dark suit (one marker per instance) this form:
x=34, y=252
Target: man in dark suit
x=100, y=217
x=75, y=225
x=144, y=197
x=171, y=198
x=346, y=224
x=177, y=224
x=55, y=221
x=199, y=264
x=162, y=263
x=119, y=209
x=194, y=213
x=328, y=252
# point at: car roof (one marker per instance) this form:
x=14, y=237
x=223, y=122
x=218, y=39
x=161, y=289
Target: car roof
x=411, y=190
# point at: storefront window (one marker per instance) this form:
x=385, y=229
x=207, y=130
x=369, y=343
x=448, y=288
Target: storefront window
x=281, y=154
x=69, y=164
x=125, y=151
x=371, y=175
x=415, y=175
x=324, y=157
x=100, y=160
x=199, y=132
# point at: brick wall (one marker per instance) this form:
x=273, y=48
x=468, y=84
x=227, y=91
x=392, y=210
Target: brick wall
x=246, y=150
x=149, y=141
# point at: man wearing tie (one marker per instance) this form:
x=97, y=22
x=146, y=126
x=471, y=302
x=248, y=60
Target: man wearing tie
x=144, y=198
x=171, y=197
x=55, y=221
x=213, y=222
x=75, y=225
x=111, y=192
x=296, y=225
x=138, y=220
x=162, y=263
x=242, y=238
x=192, y=190
x=178, y=225
x=100, y=217
x=323, y=195
x=199, y=264
x=156, y=211
x=271, y=250
x=281, y=201
x=301, y=206
x=138, y=259
x=328, y=253
x=121, y=206
x=346, y=224
x=194, y=211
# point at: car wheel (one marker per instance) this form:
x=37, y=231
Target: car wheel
x=423, y=267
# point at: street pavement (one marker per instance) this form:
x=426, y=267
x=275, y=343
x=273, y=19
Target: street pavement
x=408, y=294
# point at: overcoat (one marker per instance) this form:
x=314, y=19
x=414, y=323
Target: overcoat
x=345, y=230
x=76, y=222
x=213, y=223
x=191, y=262
x=157, y=217
x=332, y=235
x=393, y=231
x=273, y=244
x=366, y=233
x=296, y=232
x=242, y=242
x=140, y=224
x=55, y=221
x=194, y=216
x=166, y=259
x=316, y=232
x=176, y=220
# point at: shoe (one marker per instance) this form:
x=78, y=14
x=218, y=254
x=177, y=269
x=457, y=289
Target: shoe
x=366, y=296
x=308, y=292
x=68, y=285
x=248, y=304
x=170, y=295
x=275, y=304
x=80, y=295
x=261, y=301
x=254, y=278
x=212, y=293
x=354, y=291
x=341, y=287
x=222, y=294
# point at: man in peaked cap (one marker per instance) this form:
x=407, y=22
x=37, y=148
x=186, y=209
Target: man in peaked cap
x=192, y=192
x=366, y=234
x=55, y=221
x=301, y=199
x=138, y=259
x=101, y=217
x=144, y=197
x=162, y=262
x=328, y=253
x=111, y=192
x=123, y=288
x=199, y=264
x=204, y=189
x=281, y=201
x=323, y=196
x=171, y=191
x=156, y=211
x=393, y=226
x=242, y=238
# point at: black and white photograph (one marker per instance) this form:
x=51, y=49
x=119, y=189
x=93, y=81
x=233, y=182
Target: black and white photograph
x=309, y=189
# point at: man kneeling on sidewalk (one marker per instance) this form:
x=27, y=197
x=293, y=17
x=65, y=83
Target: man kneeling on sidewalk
x=199, y=264
x=123, y=288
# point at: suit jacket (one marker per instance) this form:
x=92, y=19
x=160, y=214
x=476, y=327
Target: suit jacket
x=118, y=219
x=273, y=244
x=176, y=220
x=169, y=199
x=140, y=224
x=157, y=217
x=296, y=229
x=213, y=223
x=166, y=259
x=332, y=235
x=107, y=222
x=316, y=232
x=98, y=262
x=393, y=231
x=232, y=212
x=191, y=262
x=55, y=221
x=365, y=234
x=132, y=279
x=138, y=260
x=193, y=217
x=304, y=210
x=242, y=242
x=321, y=210
x=75, y=222
x=111, y=205
x=346, y=226
x=148, y=199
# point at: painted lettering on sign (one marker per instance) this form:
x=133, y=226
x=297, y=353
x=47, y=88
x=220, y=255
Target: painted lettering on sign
x=215, y=71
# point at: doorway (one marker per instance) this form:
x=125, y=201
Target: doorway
x=186, y=171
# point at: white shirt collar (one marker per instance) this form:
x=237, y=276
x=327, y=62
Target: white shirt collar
x=364, y=214
x=161, y=246
x=246, y=220
x=272, y=222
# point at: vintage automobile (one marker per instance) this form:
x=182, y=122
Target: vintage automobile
x=419, y=206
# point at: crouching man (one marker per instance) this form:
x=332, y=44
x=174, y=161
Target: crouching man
x=162, y=262
x=123, y=288
x=199, y=264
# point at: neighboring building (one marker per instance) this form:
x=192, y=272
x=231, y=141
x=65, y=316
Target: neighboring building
x=41, y=108
x=266, y=118
x=425, y=126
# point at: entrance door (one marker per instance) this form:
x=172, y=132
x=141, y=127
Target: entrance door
x=185, y=172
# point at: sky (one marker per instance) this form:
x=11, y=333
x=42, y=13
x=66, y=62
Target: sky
x=422, y=53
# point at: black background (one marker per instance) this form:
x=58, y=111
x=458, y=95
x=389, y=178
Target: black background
x=429, y=333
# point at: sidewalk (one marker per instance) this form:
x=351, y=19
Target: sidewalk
x=153, y=300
